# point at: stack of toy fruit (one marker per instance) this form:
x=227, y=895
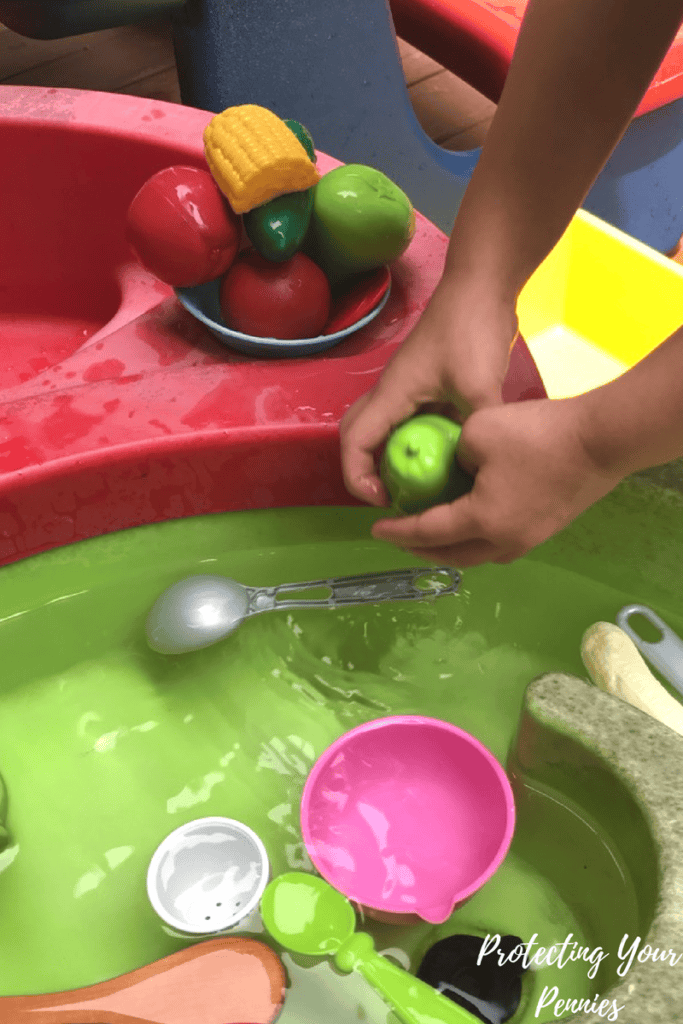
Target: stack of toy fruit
x=310, y=236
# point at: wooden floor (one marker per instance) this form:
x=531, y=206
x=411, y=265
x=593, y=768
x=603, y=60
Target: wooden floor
x=139, y=60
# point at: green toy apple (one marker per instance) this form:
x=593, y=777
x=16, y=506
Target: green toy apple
x=419, y=468
x=360, y=220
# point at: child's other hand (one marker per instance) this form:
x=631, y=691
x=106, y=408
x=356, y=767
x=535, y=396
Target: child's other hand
x=457, y=355
x=534, y=475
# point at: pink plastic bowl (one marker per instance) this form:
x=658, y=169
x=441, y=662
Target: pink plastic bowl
x=407, y=815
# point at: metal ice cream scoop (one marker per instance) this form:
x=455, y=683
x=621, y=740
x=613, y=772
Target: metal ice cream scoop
x=200, y=610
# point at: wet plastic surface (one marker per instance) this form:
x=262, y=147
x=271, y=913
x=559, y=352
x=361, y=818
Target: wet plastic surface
x=127, y=748
x=597, y=305
x=216, y=982
x=381, y=786
x=121, y=408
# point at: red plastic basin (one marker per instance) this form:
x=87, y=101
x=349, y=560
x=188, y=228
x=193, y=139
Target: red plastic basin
x=117, y=408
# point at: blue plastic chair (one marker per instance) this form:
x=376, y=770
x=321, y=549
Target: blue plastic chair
x=640, y=189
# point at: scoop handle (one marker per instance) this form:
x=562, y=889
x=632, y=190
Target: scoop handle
x=367, y=588
x=214, y=982
x=666, y=654
x=412, y=1000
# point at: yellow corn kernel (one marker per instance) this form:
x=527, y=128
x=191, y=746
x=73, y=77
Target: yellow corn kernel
x=254, y=157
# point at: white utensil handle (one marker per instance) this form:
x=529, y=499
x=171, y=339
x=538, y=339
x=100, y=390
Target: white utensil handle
x=666, y=655
x=368, y=588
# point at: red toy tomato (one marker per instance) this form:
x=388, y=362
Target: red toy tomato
x=275, y=300
x=181, y=228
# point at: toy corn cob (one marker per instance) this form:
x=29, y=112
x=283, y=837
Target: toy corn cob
x=254, y=157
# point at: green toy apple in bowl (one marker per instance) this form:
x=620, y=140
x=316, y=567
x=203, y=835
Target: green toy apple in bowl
x=419, y=466
x=360, y=220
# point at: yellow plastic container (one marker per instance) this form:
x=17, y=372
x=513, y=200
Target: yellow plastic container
x=597, y=305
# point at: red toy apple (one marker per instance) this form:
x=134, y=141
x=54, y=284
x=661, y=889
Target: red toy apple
x=275, y=300
x=181, y=228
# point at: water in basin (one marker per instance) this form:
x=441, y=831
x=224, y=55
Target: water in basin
x=106, y=747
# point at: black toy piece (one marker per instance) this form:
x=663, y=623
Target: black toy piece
x=488, y=990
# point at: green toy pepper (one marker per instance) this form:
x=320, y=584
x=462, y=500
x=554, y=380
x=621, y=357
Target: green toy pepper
x=277, y=229
x=304, y=137
x=419, y=468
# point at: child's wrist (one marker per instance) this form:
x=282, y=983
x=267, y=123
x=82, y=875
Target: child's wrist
x=493, y=280
x=605, y=436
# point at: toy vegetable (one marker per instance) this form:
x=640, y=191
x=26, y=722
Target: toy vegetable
x=419, y=468
x=277, y=229
x=254, y=157
x=304, y=137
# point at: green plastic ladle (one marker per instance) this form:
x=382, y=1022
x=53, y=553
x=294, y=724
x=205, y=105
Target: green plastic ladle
x=306, y=915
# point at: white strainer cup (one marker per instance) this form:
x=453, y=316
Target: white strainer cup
x=208, y=876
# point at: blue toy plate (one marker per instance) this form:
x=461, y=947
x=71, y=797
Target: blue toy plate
x=203, y=302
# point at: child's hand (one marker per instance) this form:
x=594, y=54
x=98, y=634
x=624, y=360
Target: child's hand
x=456, y=355
x=534, y=475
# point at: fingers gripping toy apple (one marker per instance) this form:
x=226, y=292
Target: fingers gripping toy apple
x=419, y=468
